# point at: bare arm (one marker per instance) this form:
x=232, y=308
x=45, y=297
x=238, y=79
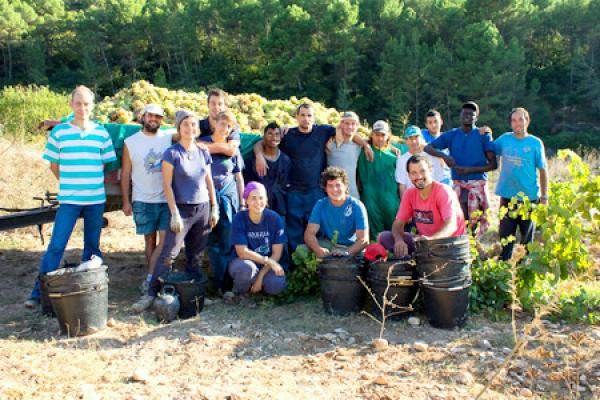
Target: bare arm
x=212, y=195
x=400, y=248
x=447, y=229
x=126, y=181
x=214, y=212
x=245, y=253
x=54, y=169
x=432, y=151
x=227, y=149
x=167, y=172
x=310, y=238
x=544, y=178
x=239, y=181
x=362, y=240
x=261, y=163
x=365, y=146
x=492, y=164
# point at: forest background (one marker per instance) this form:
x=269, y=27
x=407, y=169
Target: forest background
x=387, y=59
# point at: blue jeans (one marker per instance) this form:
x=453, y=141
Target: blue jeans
x=299, y=207
x=219, y=249
x=66, y=217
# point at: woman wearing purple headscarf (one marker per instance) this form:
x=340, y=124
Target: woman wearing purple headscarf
x=259, y=238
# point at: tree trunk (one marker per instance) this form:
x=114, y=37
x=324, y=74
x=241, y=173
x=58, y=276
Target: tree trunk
x=112, y=85
x=9, y=74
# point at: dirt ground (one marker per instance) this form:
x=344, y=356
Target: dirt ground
x=293, y=351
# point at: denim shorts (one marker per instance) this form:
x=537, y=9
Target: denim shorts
x=150, y=217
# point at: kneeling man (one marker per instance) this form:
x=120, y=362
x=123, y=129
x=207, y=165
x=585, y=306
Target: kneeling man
x=433, y=207
x=339, y=219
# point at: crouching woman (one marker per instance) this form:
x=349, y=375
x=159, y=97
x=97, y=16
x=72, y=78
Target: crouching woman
x=258, y=236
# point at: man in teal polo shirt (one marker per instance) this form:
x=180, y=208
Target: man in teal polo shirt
x=77, y=151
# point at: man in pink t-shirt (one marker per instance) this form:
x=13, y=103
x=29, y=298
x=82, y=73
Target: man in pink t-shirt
x=433, y=207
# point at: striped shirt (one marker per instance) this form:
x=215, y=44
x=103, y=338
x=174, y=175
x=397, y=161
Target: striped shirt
x=80, y=156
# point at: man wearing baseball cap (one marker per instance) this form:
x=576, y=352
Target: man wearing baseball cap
x=141, y=165
x=416, y=143
x=472, y=155
x=377, y=181
x=343, y=152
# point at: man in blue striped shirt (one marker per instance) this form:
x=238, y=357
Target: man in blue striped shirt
x=77, y=151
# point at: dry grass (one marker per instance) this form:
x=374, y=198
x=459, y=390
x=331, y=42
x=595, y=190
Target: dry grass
x=271, y=352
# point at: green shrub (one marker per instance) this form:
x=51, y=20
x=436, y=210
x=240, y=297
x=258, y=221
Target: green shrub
x=22, y=108
x=491, y=290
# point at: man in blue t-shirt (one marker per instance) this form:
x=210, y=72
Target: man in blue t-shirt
x=277, y=179
x=305, y=145
x=471, y=156
x=339, y=220
x=522, y=156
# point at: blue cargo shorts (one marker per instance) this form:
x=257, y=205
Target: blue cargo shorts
x=150, y=217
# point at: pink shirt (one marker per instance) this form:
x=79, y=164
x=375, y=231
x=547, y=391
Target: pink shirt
x=430, y=214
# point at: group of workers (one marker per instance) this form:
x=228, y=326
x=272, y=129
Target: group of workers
x=316, y=185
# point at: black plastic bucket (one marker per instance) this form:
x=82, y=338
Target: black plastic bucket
x=80, y=300
x=402, y=291
x=443, y=258
x=44, y=299
x=447, y=307
x=191, y=288
x=447, y=282
x=341, y=291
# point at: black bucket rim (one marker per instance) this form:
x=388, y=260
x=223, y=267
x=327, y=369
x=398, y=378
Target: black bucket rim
x=465, y=285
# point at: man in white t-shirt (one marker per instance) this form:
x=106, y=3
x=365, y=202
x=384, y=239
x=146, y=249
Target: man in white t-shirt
x=343, y=152
x=416, y=144
x=141, y=165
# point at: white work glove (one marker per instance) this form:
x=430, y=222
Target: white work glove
x=214, y=216
x=176, y=224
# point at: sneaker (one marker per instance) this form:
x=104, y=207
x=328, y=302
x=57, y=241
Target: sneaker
x=247, y=301
x=230, y=298
x=32, y=303
x=143, y=303
x=144, y=287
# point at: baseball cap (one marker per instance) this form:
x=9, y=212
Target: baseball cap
x=472, y=105
x=412, y=130
x=350, y=115
x=381, y=126
x=154, y=109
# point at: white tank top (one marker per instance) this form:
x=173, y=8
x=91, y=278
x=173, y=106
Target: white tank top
x=146, y=154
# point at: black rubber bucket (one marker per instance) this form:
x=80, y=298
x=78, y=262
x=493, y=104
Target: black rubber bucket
x=80, y=300
x=402, y=291
x=443, y=258
x=447, y=282
x=44, y=299
x=341, y=291
x=191, y=288
x=447, y=307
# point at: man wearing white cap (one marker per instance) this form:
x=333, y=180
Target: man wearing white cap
x=343, y=152
x=141, y=165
